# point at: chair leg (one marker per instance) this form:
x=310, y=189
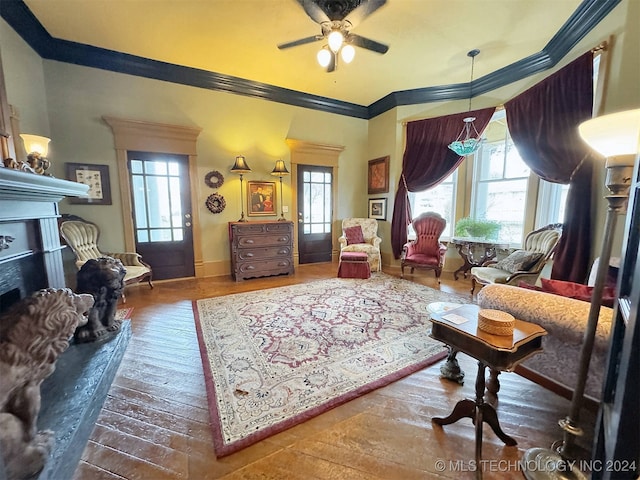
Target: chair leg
x=401, y=271
x=473, y=285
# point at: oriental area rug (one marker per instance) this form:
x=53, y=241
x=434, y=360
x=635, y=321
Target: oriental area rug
x=123, y=314
x=274, y=358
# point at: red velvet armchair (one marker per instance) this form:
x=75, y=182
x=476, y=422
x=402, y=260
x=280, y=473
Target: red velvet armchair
x=425, y=251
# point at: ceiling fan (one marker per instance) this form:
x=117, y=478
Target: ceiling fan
x=336, y=19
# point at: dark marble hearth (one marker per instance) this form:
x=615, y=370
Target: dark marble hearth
x=73, y=395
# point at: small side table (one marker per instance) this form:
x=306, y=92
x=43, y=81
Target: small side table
x=499, y=353
x=474, y=253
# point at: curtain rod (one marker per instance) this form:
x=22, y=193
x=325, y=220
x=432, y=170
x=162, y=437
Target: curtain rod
x=601, y=47
x=404, y=122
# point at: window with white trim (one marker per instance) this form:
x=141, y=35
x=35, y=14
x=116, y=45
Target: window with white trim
x=500, y=180
x=440, y=199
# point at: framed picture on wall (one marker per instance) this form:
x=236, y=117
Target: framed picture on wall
x=97, y=177
x=261, y=199
x=378, y=208
x=378, y=178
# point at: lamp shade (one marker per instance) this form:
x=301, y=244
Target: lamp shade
x=35, y=144
x=324, y=57
x=613, y=135
x=347, y=53
x=240, y=166
x=335, y=40
x=280, y=169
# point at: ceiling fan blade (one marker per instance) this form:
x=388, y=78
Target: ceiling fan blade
x=366, y=8
x=367, y=43
x=301, y=41
x=314, y=11
x=332, y=64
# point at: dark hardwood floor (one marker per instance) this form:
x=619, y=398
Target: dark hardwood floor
x=155, y=422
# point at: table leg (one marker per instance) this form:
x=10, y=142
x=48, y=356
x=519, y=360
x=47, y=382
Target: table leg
x=479, y=412
x=450, y=369
x=493, y=387
x=463, y=251
x=479, y=403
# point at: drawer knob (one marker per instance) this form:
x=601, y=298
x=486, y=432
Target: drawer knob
x=249, y=255
x=249, y=240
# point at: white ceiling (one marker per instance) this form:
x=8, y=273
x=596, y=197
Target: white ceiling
x=428, y=39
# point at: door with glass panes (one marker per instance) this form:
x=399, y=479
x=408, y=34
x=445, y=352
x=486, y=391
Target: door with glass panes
x=162, y=212
x=315, y=184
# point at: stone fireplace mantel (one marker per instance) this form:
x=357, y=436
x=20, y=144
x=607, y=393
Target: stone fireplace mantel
x=31, y=259
x=29, y=237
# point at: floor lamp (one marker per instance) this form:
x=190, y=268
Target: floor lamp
x=279, y=170
x=616, y=137
x=241, y=167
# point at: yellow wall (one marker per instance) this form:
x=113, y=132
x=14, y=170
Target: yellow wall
x=67, y=102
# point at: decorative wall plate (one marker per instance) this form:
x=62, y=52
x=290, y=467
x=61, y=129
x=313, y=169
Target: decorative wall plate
x=214, y=179
x=216, y=203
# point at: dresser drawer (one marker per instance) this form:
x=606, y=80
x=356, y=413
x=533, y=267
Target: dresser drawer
x=262, y=268
x=267, y=252
x=248, y=228
x=246, y=241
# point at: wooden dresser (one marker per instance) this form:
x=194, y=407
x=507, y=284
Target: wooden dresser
x=260, y=249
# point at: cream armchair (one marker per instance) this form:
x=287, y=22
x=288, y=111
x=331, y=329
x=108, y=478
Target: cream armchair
x=524, y=265
x=367, y=241
x=82, y=238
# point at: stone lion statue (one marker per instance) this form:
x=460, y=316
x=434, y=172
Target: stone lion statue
x=33, y=333
x=103, y=278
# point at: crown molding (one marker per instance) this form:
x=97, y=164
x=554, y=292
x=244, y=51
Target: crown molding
x=16, y=13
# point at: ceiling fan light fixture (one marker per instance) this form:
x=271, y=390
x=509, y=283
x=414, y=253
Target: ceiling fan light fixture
x=335, y=39
x=324, y=57
x=469, y=140
x=347, y=53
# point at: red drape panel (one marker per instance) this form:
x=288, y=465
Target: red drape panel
x=427, y=161
x=543, y=123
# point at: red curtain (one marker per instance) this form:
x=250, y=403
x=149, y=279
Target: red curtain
x=543, y=123
x=427, y=161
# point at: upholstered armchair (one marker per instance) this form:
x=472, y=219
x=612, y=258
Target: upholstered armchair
x=361, y=235
x=82, y=238
x=522, y=265
x=426, y=251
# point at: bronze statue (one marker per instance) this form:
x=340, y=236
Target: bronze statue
x=33, y=333
x=103, y=278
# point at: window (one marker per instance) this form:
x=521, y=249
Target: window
x=440, y=199
x=500, y=181
x=552, y=198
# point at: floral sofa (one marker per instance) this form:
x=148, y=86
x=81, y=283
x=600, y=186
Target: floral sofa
x=565, y=320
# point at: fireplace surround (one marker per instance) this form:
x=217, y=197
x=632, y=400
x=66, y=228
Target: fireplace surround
x=31, y=259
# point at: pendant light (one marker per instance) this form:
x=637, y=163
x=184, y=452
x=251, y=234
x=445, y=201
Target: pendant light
x=468, y=141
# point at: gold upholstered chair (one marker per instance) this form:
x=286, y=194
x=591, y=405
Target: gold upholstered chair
x=361, y=235
x=82, y=237
x=523, y=265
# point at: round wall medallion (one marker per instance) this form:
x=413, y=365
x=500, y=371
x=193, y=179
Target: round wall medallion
x=214, y=179
x=216, y=203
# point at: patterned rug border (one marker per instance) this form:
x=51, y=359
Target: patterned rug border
x=222, y=450
x=124, y=313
